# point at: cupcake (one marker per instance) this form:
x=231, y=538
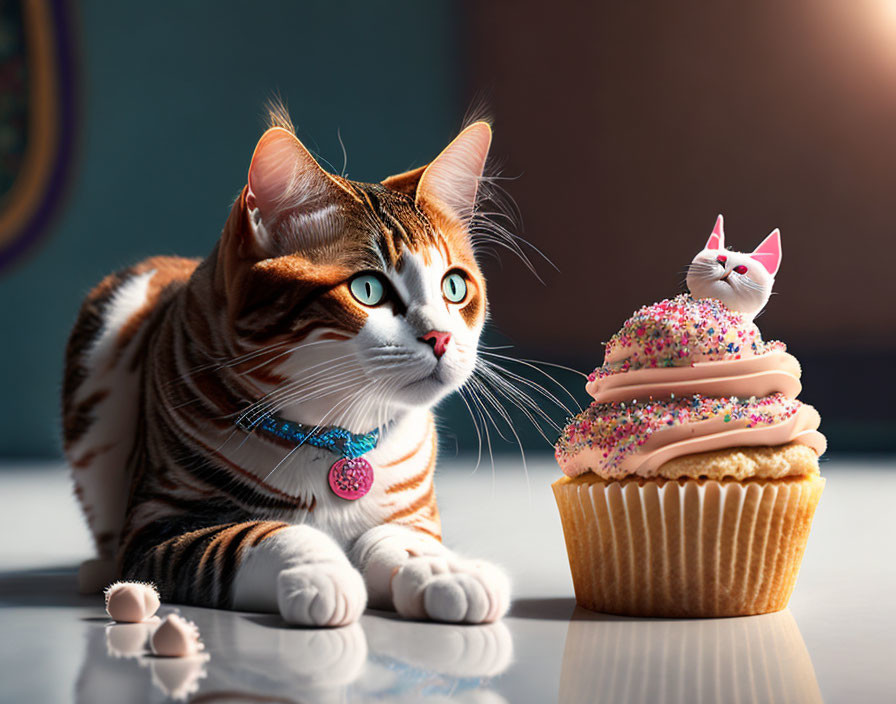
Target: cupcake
x=691, y=480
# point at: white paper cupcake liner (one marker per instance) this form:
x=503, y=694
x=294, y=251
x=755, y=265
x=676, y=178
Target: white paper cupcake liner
x=686, y=548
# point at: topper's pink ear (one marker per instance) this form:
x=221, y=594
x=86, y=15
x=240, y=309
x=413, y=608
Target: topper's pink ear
x=717, y=238
x=768, y=253
x=451, y=180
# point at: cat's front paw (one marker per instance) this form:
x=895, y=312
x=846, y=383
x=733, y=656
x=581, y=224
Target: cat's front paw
x=451, y=590
x=321, y=594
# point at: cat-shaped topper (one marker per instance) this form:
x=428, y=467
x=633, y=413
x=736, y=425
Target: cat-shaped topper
x=743, y=282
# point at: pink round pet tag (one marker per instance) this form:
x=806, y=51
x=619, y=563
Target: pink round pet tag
x=351, y=478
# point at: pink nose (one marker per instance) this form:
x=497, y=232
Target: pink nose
x=438, y=340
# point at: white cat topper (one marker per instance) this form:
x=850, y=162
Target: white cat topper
x=743, y=282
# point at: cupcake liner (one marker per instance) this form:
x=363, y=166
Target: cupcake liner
x=700, y=548
x=651, y=661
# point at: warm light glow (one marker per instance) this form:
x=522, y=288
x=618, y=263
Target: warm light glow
x=890, y=8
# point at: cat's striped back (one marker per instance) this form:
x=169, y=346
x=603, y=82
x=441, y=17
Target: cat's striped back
x=100, y=397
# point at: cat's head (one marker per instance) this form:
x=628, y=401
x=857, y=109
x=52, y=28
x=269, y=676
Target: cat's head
x=743, y=282
x=368, y=295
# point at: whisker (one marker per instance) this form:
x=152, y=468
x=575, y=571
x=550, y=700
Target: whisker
x=313, y=432
x=187, y=377
x=523, y=403
x=540, y=389
x=531, y=364
x=481, y=390
x=284, y=354
x=477, y=403
x=489, y=397
x=292, y=385
x=323, y=388
x=235, y=361
x=476, y=428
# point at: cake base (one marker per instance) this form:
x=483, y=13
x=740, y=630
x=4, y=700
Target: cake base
x=686, y=548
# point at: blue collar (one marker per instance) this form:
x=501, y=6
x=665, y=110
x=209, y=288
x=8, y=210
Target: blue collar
x=337, y=440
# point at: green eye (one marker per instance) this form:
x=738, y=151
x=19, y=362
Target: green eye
x=454, y=287
x=368, y=289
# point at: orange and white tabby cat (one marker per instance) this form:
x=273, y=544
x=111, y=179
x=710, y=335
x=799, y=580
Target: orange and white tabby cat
x=253, y=431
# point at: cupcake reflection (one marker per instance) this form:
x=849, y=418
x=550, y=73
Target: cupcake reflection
x=754, y=658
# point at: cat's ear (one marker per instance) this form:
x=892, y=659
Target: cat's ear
x=450, y=182
x=292, y=194
x=768, y=253
x=717, y=238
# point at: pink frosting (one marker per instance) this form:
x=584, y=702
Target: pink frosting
x=675, y=433
x=776, y=371
x=685, y=376
x=681, y=331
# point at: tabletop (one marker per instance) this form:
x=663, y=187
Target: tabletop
x=836, y=641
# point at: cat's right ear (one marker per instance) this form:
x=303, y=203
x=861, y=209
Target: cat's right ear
x=290, y=196
x=450, y=182
x=717, y=238
x=768, y=253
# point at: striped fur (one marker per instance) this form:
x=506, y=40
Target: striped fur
x=167, y=355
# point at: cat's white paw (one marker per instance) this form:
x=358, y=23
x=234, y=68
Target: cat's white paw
x=451, y=590
x=321, y=594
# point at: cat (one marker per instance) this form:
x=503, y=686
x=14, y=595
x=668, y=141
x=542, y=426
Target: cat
x=208, y=405
x=743, y=282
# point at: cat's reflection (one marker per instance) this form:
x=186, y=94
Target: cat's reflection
x=258, y=656
x=754, y=658
x=381, y=657
x=263, y=656
x=432, y=662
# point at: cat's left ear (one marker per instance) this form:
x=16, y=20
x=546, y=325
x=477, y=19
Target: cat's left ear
x=717, y=238
x=451, y=181
x=768, y=253
x=292, y=195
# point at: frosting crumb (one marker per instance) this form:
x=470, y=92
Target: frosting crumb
x=131, y=602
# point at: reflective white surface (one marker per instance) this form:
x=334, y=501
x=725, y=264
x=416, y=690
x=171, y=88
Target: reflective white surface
x=836, y=642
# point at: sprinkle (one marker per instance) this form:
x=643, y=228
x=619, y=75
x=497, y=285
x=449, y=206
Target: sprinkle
x=617, y=430
x=679, y=331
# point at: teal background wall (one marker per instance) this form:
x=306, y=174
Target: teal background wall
x=171, y=104
x=621, y=128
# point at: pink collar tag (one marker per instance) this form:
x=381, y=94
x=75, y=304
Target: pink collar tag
x=350, y=478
